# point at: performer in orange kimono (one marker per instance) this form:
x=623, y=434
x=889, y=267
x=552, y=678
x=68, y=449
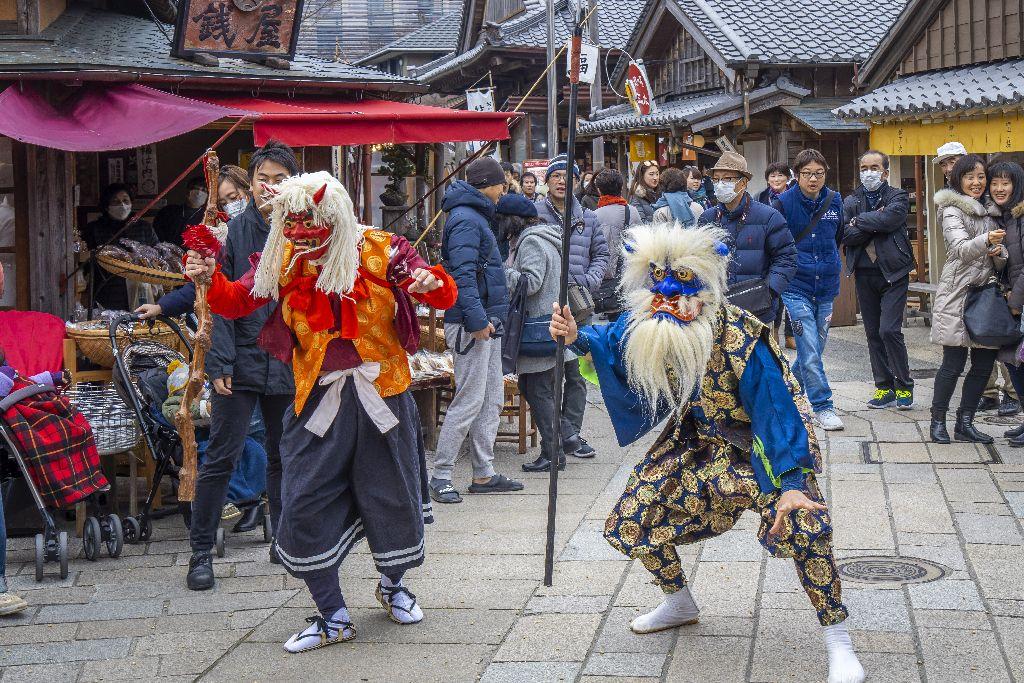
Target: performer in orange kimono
x=351, y=452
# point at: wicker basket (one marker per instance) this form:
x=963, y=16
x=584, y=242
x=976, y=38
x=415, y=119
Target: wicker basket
x=131, y=271
x=95, y=344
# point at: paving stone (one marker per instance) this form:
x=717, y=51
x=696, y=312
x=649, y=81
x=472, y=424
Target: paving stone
x=956, y=453
x=700, y=659
x=964, y=620
x=1012, y=633
x=887, y=667
x=173, y=643
x=884, y=642
x=226, y=602
x=616, y=636
x=588, y=543
x=48, y=633
x=945, y=594
x=138, y=668
x=41, y=673
x=948, y=556
x=549, y=637
x=195, y=662
x=566, y=604
x=1007, y=608
x=896, y=473
x=583, y=578
x=535, y=672
x=68, y=651
x=903, y=452
x=625, y=664
x=877, y=610
x=1016, y=501
x=619, y=679
x=919, y=508
x=998, y=568
x=952, y=656
x=897, y=431
x=100, y=611
x=780, y=633
x=733, y=546
x=727, y=588
x=989, y=529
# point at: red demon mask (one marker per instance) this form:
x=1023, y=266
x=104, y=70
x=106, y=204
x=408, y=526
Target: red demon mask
x=301, y=230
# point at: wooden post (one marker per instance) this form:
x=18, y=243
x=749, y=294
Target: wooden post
x=367, y=185
x=50, y=185
x=922, y=258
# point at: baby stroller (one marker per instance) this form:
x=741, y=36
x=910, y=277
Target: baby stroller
x=53, y=446
x=140, y=376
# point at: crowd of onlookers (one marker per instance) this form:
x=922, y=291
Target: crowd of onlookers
x=785, y=267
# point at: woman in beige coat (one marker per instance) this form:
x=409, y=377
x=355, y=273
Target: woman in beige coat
x=974, y=252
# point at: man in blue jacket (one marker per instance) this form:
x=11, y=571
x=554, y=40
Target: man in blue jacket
x=739, y=434
x=760, y=244
x=815, y=217
x=472, y=328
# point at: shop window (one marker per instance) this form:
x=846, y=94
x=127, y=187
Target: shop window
x=8, y=247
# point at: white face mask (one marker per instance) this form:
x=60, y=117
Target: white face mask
x=236, y=208
x=119, y=212
x=198, y=198
x=872, y=180
x=725, y=190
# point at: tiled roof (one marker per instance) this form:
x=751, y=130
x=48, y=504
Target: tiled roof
x=441, y=35
x=699, y=111
x=817, y=115
x=996, y=84
x=85, y=39
x=528, y=29
x=794, y=31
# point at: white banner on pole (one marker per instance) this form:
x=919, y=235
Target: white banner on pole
x=480, y=100
x=590, y=59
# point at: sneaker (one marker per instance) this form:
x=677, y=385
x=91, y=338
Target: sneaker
x=11, y=603
x=200, y=571
x=230, y=511
x=585, y=450
x=400, y=604
x=442, y=491
x=320, y=633
x=884, y=398
x=828, y=420
x=1008, y=407
x=987, y=403
x=904, y=399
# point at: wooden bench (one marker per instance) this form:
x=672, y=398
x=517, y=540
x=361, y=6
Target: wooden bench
x=925, y=292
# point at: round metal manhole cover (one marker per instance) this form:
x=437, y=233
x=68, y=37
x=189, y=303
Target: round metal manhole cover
x=891, y=570
x=1011, y=421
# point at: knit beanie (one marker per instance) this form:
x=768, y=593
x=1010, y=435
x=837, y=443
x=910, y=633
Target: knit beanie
x=560, y=163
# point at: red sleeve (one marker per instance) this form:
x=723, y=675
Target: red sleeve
x=232, y=299
x=444, y=296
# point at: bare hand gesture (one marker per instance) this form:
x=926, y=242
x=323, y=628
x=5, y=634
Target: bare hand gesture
x=484, y=334
x=196, y=265
x=789, y=502
x=995, y=237
x=147, y=311
x=222, y=385
x=424, y=281
x=563, y=324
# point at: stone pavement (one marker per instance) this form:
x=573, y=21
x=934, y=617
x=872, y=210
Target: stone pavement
x=489, y=618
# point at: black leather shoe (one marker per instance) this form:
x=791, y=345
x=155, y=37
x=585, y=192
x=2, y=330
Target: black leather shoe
x=1015, y=432
x=200, y=571
x=937, y=431
x=987, y=403
x=543, y=464
x=252, y=517
x=1009, y=407
x=1017, y=441
x=964, y=429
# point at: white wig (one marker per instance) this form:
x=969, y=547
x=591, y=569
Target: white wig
x=339, y=264
x=701, y=249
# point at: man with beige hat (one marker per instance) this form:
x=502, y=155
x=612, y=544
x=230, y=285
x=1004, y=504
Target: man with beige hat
x=763, y=254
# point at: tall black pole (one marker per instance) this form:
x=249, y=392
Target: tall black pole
x=563, y=293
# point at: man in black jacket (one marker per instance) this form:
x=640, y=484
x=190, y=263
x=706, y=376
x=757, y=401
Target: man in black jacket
x=878, y=252
x=242, y=373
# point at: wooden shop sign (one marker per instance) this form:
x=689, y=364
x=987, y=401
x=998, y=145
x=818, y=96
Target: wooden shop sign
x=244, y=29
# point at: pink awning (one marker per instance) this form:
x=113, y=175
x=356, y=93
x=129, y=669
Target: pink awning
x=104, y=117
x=322, y=122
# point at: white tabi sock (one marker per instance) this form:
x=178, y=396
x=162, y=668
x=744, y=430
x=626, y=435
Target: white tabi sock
x=400, y=603
x=843, y=665
x=678, y=609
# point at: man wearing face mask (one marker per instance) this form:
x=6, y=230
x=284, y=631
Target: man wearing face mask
x=879, y=254
x=171, y=221
x=111, y=291
x=762, y=250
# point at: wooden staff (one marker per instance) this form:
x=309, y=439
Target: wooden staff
x=201, y=344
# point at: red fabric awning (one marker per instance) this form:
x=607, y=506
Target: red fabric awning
x=104, y=117
x=326, y=123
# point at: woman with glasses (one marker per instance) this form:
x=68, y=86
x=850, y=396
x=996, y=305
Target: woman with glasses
x=815, y=217
x=643, y=192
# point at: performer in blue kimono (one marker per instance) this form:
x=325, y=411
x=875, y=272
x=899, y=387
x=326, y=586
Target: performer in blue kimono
x=739, y=435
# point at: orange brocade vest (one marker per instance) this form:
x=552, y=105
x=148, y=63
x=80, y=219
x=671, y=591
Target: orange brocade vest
x=375, y=307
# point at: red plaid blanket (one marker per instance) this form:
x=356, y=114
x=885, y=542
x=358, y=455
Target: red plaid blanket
x=57, y=444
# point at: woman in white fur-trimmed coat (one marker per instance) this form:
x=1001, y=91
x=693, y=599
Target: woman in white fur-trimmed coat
x=974, y=253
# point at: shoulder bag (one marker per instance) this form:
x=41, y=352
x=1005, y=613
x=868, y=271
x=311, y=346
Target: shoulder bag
x=987, y=316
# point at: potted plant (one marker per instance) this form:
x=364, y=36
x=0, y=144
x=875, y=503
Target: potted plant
x=397, y=166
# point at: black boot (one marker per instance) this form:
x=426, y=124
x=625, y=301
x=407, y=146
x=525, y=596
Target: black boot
x=252, y=517
x=200, y=571
x=1015, y=432
x=937, y=432
x=964, y=429
x=543, y=464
